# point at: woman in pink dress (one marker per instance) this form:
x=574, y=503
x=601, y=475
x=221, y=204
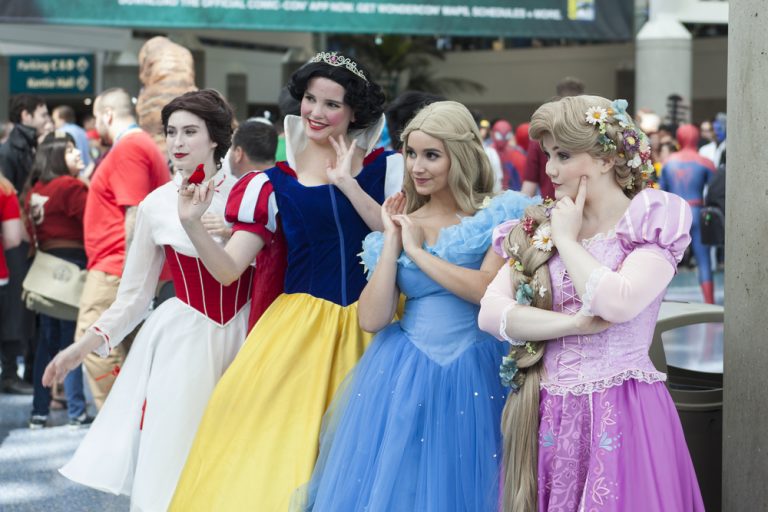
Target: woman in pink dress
x=578, y=302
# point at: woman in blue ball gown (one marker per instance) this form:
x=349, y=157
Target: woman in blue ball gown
x=416, y=425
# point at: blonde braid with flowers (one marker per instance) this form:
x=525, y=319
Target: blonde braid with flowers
x=529, y=252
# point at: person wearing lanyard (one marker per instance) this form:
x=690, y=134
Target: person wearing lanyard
x=133, y=168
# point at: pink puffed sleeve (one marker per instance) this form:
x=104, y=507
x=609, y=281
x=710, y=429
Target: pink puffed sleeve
x=654, y=232
x=497, y=301
x=499, y=233
x=657, y=221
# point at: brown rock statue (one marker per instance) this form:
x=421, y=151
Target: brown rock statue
x=167, y=70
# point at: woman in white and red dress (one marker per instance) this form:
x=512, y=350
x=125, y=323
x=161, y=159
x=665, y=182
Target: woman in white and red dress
x=140, y=439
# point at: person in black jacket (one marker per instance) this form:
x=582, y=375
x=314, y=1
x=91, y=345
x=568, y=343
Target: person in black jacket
x=713, y=213
x=29, y=114
x=715, y=195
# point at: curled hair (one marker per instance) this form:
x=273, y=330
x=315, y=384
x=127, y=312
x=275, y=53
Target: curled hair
x=520, y=419
x=470, y=176
x=565, y=121
x=365, y=98
x=211, y=107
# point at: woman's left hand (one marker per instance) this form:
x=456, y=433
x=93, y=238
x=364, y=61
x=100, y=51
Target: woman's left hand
x=567, y=215
x=216, y=226
x=340, y=172
x=412, y=234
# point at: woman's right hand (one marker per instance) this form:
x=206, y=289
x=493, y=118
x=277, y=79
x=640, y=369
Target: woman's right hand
x=69, y=359
x=585, y=325
x=194, y=200
x=393, y=205
x=6, y=186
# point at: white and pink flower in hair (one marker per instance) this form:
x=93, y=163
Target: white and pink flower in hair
x=597, y=115
x=542, y=239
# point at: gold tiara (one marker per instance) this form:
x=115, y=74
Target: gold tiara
x=334, y=59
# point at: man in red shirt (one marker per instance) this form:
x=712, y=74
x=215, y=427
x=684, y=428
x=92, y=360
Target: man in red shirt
x=133, y=168
x=10, y=227
x=10, y=237
x=253, y=149
x=29, y=116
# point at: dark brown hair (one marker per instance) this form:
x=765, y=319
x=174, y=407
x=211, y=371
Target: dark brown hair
x=365, y=98
x=49, y=160
x=211, y=107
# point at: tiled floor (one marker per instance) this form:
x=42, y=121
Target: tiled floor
x=29, y=460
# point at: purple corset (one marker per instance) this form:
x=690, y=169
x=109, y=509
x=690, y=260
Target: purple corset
x=584, y=364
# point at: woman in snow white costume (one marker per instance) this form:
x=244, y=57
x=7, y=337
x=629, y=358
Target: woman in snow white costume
x=139, y=441
x=258, y=440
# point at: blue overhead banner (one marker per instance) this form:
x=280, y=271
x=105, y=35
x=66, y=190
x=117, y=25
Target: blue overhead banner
x=561, y=19
x=51, y=74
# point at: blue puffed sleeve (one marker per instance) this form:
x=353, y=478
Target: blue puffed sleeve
x=372, y=245
x=461, y=244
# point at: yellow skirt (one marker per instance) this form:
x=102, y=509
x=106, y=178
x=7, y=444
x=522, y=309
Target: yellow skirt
x=258, y=439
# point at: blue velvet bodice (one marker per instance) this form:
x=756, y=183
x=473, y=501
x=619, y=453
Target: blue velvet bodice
x=324, y=233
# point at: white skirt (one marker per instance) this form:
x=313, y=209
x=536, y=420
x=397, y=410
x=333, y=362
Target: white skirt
x=139, y=441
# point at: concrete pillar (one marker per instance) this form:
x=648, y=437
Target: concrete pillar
x=663, y=58
x=745, y=408
x=99, y=58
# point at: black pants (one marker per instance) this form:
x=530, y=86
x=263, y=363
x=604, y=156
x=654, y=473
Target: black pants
x=17, y=323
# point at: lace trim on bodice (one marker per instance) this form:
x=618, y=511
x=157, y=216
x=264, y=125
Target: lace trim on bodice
x=585, y=388
x=586, y=242
x=591, y=286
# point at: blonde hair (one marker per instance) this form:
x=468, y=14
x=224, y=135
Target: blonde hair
x=565, y=121
x=520, y=419
x=470, y=176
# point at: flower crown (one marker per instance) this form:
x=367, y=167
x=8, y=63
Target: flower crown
x=636, y=148
x=334, y=59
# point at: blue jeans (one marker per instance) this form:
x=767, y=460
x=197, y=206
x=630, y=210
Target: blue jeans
x=56, y=335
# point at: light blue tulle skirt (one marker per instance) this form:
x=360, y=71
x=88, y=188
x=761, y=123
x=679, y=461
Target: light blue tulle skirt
x=408, y=434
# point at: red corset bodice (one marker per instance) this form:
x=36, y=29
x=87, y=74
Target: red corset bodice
x=196, y=287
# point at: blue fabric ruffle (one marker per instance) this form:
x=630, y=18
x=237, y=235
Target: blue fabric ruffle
x=461, y=243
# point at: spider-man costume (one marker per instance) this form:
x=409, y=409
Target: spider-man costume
x=686, y=173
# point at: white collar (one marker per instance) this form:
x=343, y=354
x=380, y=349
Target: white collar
x=296, y=139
